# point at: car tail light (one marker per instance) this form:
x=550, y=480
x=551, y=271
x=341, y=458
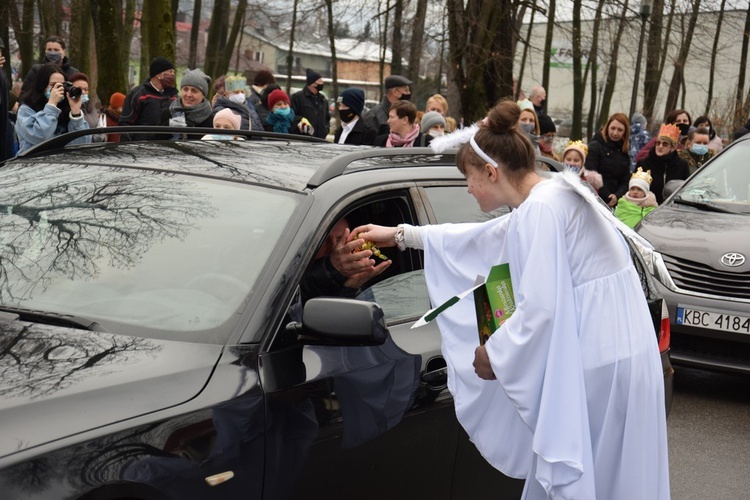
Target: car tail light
x=664, y=328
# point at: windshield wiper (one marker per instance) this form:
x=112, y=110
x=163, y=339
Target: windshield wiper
x=52, y=318
x=703, y=206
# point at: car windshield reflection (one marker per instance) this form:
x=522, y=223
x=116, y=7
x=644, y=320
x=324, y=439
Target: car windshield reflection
x=136, y=252
x=722, y=185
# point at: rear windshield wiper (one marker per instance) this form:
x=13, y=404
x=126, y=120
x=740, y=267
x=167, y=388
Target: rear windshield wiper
x=52, y=318
x=703, y=206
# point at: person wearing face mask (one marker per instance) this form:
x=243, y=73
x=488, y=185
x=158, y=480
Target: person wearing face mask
x=547, y=134
x=664, y=162
x=235, y=98
x=396, y=89
x=714, y=141
x=148, y=103
x=433, y=124
x=608, y=155
x=90, y=114
x=528, y=123
x=48, y=110
x=281, y=118
x=353, y=129
x=678, y=117
x=697, y=151
x=54, y=53
x=310, y=103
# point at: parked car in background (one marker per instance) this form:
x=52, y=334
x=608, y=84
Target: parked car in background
x=153, y=343
x=701, y=262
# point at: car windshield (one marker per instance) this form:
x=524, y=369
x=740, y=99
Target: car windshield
x=147, y=253
x=724, y=183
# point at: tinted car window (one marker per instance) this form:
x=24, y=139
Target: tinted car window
x=135, y=252
x=401, y=297
x=455, y=204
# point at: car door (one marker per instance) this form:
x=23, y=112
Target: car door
x=373, y=421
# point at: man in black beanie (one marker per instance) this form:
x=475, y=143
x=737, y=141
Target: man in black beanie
x=148, y=103
x=396, y=89
x=310, y=104
x=353, y=130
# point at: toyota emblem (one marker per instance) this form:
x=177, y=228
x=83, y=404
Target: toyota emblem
x=732, y=259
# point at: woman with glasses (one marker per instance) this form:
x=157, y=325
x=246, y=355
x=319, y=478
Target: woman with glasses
x=663, y=161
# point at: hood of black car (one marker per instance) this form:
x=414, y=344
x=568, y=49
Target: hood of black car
x=697, y=235
x=56, y=382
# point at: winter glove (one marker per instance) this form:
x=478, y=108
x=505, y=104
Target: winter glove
x=305, y=127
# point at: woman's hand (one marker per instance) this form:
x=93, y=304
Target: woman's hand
x=482, y=366
x=56, y=94
x=75, y=105
x=382, y=236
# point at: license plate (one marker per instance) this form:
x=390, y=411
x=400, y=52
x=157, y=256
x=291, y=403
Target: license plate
x=712, y=320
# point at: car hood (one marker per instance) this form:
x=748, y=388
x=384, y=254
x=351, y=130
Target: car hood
x=56, y=382
x=698, y=236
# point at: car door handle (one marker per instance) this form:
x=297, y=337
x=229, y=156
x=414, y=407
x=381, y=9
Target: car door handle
x=436, y=377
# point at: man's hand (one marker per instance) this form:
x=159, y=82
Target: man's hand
x=482, y=366
x=357, y=265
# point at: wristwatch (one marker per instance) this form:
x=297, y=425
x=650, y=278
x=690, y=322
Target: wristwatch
x=399, y=238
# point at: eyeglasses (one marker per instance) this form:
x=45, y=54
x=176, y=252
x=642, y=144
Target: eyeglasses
x=665, y=144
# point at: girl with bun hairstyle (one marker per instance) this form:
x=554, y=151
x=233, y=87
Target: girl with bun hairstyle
x=568, y=393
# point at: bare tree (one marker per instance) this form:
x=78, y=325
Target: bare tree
x=290, y=53
x=397, y=44
x=50, y=20
x=217, y=36
x=113, y=76
x=678, y=74
x=158, y=22
x=80, y=35
x=609, y=86
x=194, y=29
x=334, y=59
x=652, y=71
x=592, y=65
x=416, y=49
x=23, y=27
x=226, y=54
x=578, y=86
x=519, y=83
x=480, y=52
x=714, y=51
x=739, y=111
x=548, y=45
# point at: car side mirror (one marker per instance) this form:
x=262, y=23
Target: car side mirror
x=342, y=322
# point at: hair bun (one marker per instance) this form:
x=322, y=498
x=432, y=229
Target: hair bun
x=502, y=117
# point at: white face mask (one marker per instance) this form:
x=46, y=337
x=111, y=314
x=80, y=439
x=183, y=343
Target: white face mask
x=238, y=98
x=436, y=133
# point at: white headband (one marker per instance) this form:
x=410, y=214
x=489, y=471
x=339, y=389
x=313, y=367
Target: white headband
x=481, y=153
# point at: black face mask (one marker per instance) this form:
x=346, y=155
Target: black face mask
x=405, y=97
x=347, y=115
x=684, y=128
x=319, y=87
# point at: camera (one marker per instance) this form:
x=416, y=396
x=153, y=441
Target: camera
x=73, y=92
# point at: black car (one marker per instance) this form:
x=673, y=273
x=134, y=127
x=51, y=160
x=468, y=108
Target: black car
x=153, y=344
x=701, y=262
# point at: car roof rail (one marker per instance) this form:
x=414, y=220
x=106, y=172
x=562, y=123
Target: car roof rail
x=60, y=141
x=338, y=165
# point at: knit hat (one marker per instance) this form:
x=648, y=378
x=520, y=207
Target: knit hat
x=196, y=78
x=430, y=119
x=546, y=125
x=276, y=96
x=669, y=131
x=116, y=100
x=639, y=118
x=158, y=65
x=312, y=76
x=227, y=114
x=354, y=98
x=579, y=146
x=641, y=179
x=235, y=83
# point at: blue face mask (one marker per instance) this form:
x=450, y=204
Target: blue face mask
x=84, y=98
x=48, y=93
x=699, y=149
x=282, y=111
x=573, y=168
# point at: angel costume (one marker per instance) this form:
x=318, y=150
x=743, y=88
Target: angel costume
x=578, y=405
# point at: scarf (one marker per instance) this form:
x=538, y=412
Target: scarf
x=396, y=141
x=281, y=123
x=194, y=115
x=648, y=201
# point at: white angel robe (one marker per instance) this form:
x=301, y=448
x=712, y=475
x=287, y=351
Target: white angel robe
x=578, y=405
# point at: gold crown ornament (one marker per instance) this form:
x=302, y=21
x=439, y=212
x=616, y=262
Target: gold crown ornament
x=640, y=174
x=579, y=146
x=670, y=131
